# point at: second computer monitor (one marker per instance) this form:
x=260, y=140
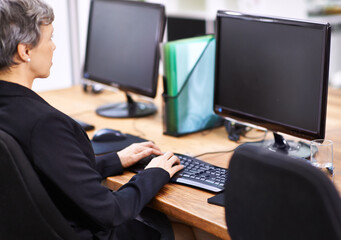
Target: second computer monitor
x=184, y=27
x=123, y=51
x=273, y=72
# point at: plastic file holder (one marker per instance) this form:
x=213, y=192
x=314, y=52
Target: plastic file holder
x=189, y=85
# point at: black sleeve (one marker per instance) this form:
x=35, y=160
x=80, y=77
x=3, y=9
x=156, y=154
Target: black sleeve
x=58, y=154
x=109, y=165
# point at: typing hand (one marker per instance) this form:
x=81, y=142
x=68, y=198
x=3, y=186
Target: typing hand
x=136, y=151
x=168, y=162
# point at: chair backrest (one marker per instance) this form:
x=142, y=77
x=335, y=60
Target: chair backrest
x=274, y=196
x=26, y=210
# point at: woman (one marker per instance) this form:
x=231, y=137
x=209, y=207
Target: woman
x=57, y=147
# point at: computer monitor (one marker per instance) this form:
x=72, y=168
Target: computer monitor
x=123, y=52
x=273, y=73
x=184, y=27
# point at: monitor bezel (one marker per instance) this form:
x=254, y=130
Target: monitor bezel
x=268, y=123
x=159, y=38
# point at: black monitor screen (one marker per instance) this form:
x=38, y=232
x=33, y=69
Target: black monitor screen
x=179, y=27
x=123, y=44
x=273, y=73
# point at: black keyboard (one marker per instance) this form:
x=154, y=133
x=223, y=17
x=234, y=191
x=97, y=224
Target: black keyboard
x=196, y=173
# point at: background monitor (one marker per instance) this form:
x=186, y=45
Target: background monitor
x=123, y=51
x=183, y=27
x=273, y=73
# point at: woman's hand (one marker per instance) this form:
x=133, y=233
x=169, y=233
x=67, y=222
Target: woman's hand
x=168, y=162
x=136, y=151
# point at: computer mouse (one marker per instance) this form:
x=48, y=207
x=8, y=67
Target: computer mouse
x=108, y=135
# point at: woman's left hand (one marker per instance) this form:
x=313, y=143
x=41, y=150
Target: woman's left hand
x=136, y=151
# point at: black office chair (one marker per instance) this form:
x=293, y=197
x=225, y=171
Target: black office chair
x=273, y=196
x=26, y=210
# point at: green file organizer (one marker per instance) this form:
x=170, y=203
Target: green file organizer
x=189, y=86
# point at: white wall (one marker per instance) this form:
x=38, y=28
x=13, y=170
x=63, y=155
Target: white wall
x=61, y=71
x=197, y=8
x=284, y=8
x=83, y=15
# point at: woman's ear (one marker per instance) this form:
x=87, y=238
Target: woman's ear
x=23, y=52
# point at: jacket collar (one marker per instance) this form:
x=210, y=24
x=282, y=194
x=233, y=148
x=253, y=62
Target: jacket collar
x=13, y=89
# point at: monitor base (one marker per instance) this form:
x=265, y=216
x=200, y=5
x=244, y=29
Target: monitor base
x=297, y=149
x=122, y=110
x=129, y=109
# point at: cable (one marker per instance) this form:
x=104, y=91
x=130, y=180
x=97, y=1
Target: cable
x=216, y=152
x=141, y=133
x=228, y=151
x=261, y=140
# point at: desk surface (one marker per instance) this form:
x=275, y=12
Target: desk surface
x=186, y=204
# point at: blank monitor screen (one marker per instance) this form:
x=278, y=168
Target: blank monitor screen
x=180, y=27
x=123, y=44
x=273, y=72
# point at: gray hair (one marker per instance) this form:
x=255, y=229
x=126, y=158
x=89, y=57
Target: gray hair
x=20, y=22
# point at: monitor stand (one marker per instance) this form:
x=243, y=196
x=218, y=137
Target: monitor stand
x=279, y=144
x=129, y=109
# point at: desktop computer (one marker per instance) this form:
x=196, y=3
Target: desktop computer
x=273, y=73
x=270, y=72
x=122, y=51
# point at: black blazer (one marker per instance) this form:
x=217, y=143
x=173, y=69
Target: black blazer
x=62, y=155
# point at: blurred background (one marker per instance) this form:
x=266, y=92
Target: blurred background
x=72, y=19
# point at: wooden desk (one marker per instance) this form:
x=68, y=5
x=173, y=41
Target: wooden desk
x=186, y=204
